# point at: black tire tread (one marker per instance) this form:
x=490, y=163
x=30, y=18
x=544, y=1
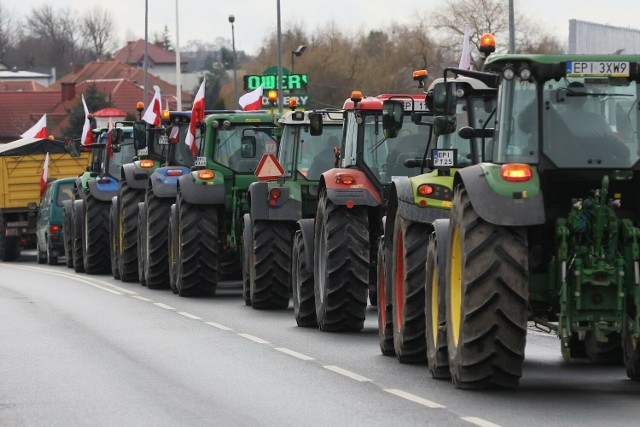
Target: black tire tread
x=96, y=250
x=304, y=301
x=128, y=199
x=156, y=265
x=271, y=285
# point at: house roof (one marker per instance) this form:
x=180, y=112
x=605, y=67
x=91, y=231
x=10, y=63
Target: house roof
x=22, y=85
x=133, y=54
x=103, y=70
x=109, y=112
x=19, y=110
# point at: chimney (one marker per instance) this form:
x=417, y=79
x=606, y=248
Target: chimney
x=68, y=91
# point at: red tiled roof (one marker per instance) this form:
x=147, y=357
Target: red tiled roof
x=133, y=54
x=22, y=85
x=21, y=110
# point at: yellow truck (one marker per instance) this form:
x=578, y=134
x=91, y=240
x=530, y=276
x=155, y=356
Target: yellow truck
x=21, y=166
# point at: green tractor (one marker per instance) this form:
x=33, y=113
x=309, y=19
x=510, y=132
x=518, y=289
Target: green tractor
x=414, y=203
x=277, y=202
x=205, y=222
x=87, y=217
x=546, y=229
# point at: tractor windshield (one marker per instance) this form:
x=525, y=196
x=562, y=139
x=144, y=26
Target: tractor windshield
x=228, y=147
x=181, y=154
x=584, y=122
x=315, y=154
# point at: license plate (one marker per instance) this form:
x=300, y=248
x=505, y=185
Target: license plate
x=443, y=158
x=143, y=151
x=163, y=140
x=597, y=68
x=200, y=162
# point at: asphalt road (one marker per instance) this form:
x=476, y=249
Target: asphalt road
x=79, y=350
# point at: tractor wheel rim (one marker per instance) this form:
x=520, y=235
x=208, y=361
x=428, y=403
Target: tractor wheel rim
x=398, y=304
x=455, y=291
x=434, y=305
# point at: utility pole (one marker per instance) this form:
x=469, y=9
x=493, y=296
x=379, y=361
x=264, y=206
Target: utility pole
x=178, y=65
x=146, y=53
x=279, y=86
x=512, y=29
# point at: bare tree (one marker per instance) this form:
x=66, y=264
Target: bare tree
x=487, y=16
x=98, y=30
x=8, y=32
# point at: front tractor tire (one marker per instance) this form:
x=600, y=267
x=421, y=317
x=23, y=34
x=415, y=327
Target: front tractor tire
x=304, y=304
x=156, y=267
x=487, y=290
x=385, y=308
x=436, y=309
x=270, y=272
x=407, y=281
x=128, y=199
x=341, y=265
x=197, y=248
x=77, y=235
x=95, y=242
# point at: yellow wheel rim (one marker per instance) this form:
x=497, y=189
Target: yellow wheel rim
x=455, y=283
x=434, y=304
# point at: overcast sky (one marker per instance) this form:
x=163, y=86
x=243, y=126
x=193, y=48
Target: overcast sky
x=256, y=19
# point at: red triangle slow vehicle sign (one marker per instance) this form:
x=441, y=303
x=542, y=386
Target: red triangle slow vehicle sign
x=269, y=168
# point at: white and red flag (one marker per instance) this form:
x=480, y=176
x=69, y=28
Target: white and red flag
x=465, y=58
x=87, y=132
x=197, y=114
x=39, y=130
x=154, y=110
x=45, y=172
x=252, y=100
x=110, y=138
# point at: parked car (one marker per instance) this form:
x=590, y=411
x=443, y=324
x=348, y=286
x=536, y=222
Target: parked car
x=49, y=230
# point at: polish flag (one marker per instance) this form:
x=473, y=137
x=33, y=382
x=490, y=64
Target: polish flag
x=45, y=172
x=174, y=135
x=39, y=130
x=154, y=110
x=252, y=100
x=197, y=114
x=110, y=138
x=87, y=133
x=465, y=58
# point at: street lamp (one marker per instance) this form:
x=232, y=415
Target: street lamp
x=295, y=53
x=232, y=19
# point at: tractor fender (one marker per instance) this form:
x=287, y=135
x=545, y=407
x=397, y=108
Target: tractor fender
x=103, y=192
x=198, y=194
x=164, y=185
x=405, y=201
x=136, y=178
x=495, y=208
x=77, y=188
x=284, y=208
x=361, y=193
x=306, y=227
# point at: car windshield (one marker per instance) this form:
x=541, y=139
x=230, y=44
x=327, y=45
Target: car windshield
x=586, y=122
x=315, y=154
x=228, y=147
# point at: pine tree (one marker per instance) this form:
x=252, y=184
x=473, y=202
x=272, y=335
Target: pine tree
x=95, y=99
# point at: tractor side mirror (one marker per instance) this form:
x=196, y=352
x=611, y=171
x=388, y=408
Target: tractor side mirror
x=444, y=99
x=139, y=135
x=248, y=146
x=116, y=139
x=315, y=124
x=444, y=125
x=392, y=117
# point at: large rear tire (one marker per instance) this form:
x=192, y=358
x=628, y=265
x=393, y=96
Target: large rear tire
x=487, y=295
x=271, y=272
x=113, y=238
x=436, y=309
x=95, y=241
x=304, y=304
x=172, y=246
x=197, y=257
x=247, y=252
x=341, y=265
x=67, y=230
x=78, y=235
x=141, y=245
x=128, y=199
x=409, y=257
x=385, y=308
x=631, y=348
x=157, y=245
x=9, y=248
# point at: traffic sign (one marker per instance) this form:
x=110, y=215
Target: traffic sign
x=269, y=168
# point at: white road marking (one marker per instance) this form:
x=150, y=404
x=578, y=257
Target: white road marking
x=165, y=306
x=69, y=276
x=141, y=298
x=346, y=373
x=219, y=326
x=294, y=353
x=123, y=290
x=254, y=339
x=189, y=315
x=479, y=422
x=414, y=398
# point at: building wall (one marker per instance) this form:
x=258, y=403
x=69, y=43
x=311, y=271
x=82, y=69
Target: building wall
x=589, y=37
